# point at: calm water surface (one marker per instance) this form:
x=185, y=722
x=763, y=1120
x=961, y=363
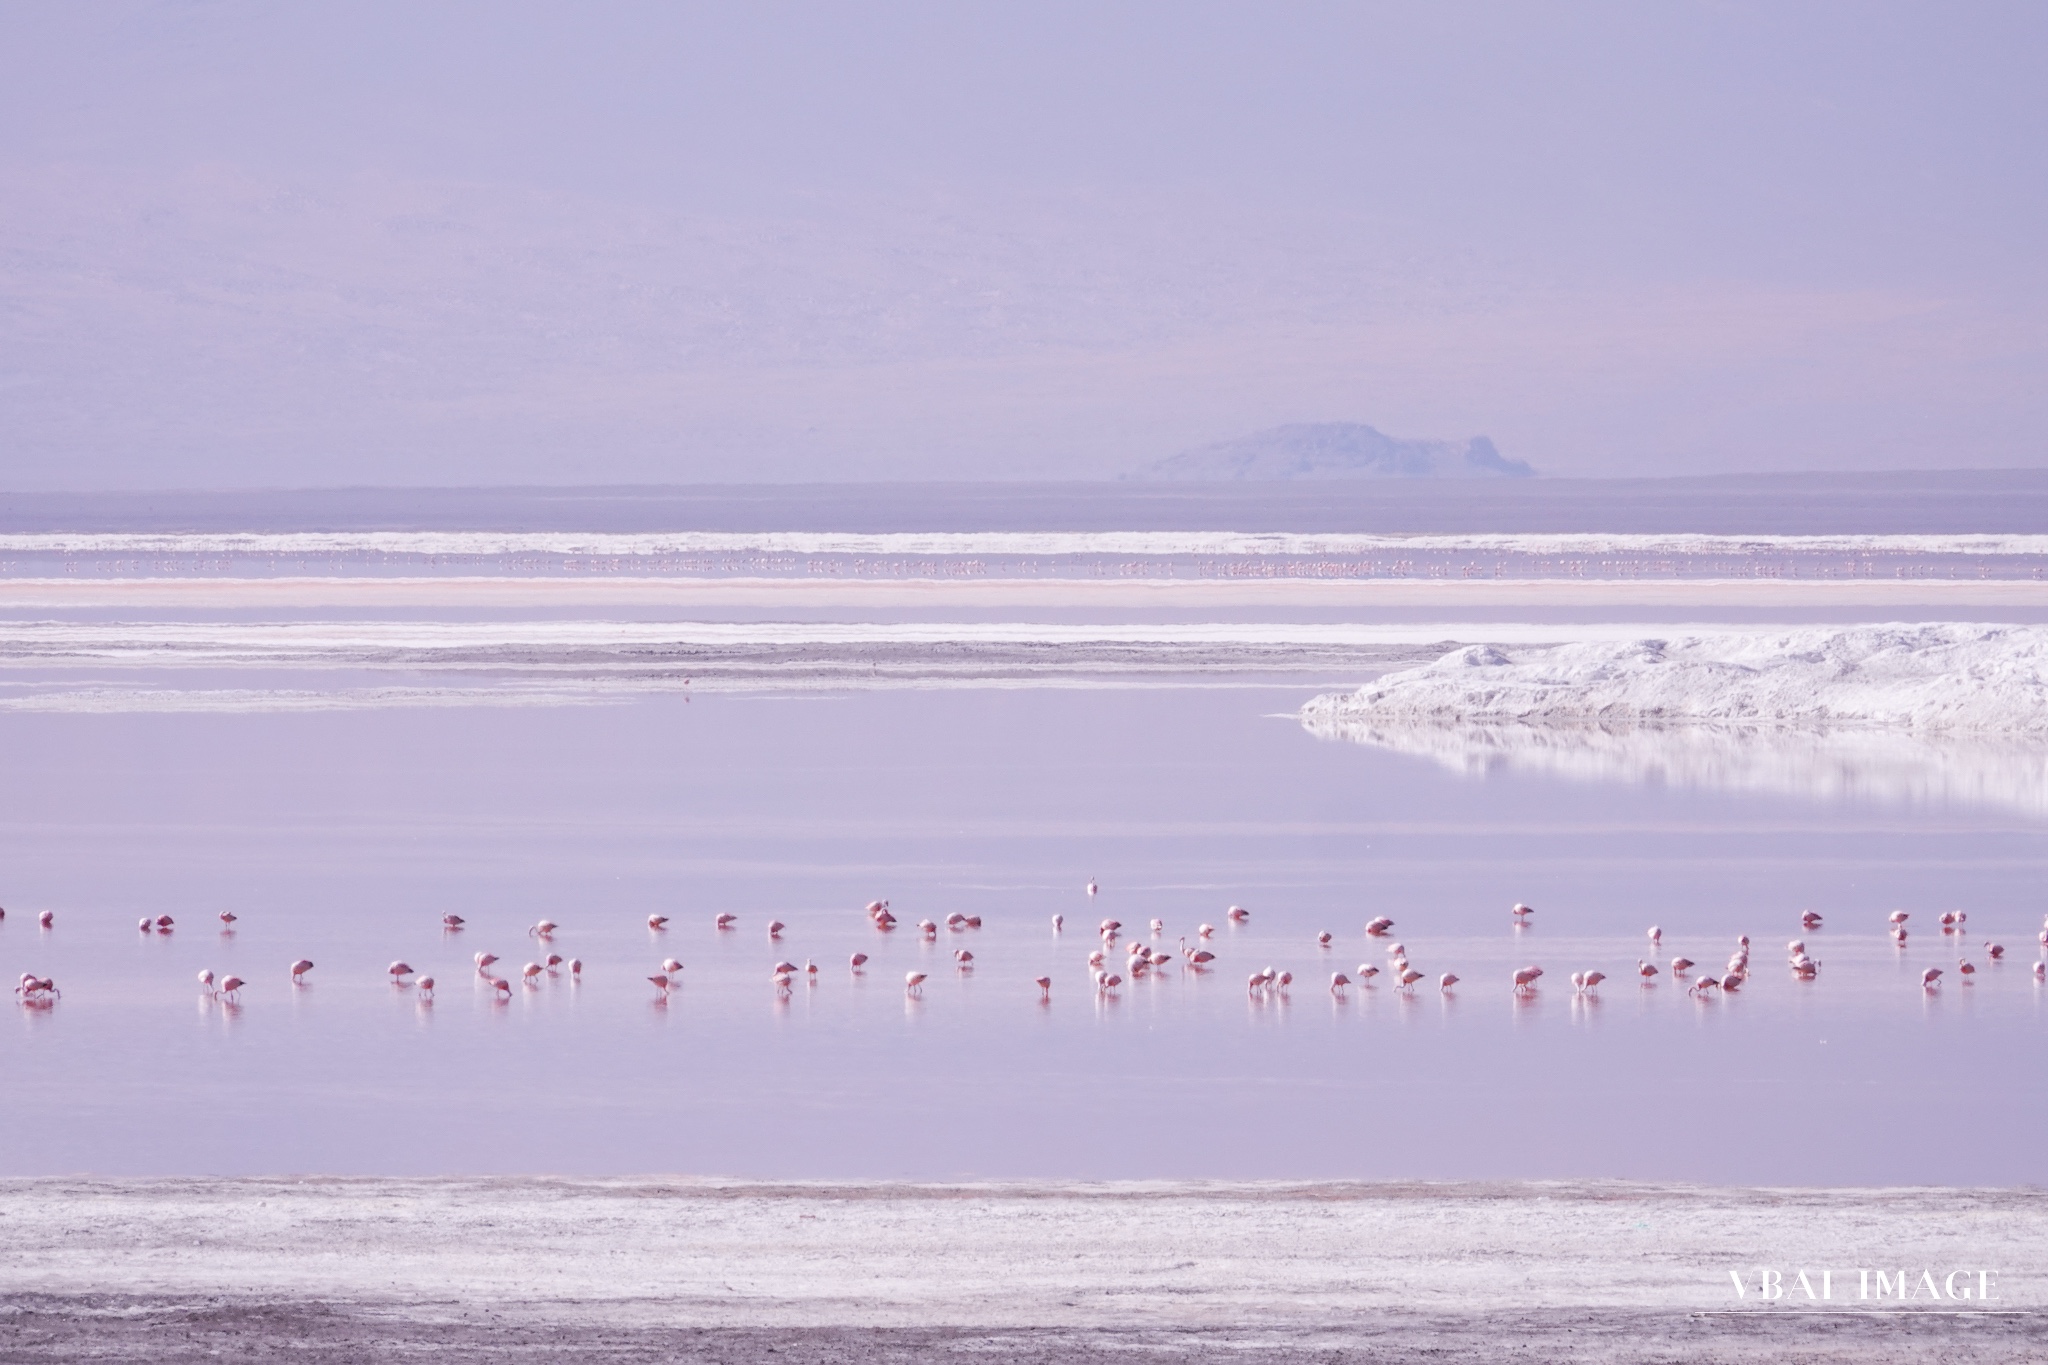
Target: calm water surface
x=344, y=837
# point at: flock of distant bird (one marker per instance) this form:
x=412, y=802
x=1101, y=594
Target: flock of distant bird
x=1140, y=958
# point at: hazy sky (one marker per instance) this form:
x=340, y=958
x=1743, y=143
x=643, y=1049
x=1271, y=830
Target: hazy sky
x=269, y=244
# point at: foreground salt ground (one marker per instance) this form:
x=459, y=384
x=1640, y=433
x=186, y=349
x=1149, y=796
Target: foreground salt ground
x=338, y=1269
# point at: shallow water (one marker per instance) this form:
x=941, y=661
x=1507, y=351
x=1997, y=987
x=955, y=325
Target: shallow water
x=343, y=836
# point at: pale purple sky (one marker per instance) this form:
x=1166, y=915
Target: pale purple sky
x=266, y=244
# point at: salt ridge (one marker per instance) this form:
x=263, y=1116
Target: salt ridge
x=1955, y=679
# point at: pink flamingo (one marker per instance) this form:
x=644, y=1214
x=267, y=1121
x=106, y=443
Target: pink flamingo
x=299, y=970
x=657, y=921
x=529, y=975
x=1446, y=981
x=426, y=987
x=858, y=961
x=1525, y=979
x=1379, y=927
x=484, y=960
x=1323, y=939
x=1366, y=972
x=1237, y=914
x=1044, y=984
x=1409, y=977
x=661, y=984
x=913, y=983
x=1645, y=970
x=1930, y=978
x=1338, y=981
x=1681, y=965
x=452, y=921
x=1058, y=921
x=545, y=929
x=231, y=988
x=47, y=918
x=775, y=928
x=227, y=917
x=725, y=921
x=398, y=972
x=671, y=966
x=206, y=980
x=1092, y=888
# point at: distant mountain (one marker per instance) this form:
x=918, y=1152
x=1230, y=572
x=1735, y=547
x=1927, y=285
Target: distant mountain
x=1337, y=450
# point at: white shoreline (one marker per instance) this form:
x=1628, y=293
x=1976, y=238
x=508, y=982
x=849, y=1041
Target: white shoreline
x=596, y=590
x=988, y=1255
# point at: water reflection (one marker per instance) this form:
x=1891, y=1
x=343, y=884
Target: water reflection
x=1865, y=765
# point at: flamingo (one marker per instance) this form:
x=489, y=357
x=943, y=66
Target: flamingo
x=1255, y=983
x=857, y=961
x=1796, y=947
x=1930, y=978
x=575, y=969
x=1201, y=958
x=1731, y=983
x=206, y=980
x=1284, y=980
x=657, y=921
x=447, y=921
x=1995, y=950
x=484, y=960
x=670, y=966
x=927, y=928
x=545, y=929
x=1525, y=979
x=1044, y=984
x=1899, y=916
x=1323, y=939
x=781, y=982
x=1703, y=985
x=227, y=917
x=1366, y=972
x=1409, y=978
x=164, y=924
x=1158, y=927
x=530, y=974
x=501, y=986
x=661, y=984
x=1645, y=970
x=1968, y=969
x=956, y=921
x=964, y=958
x=552, y=962
x=47, y=918
x=1810, y=920
x=1656, y=937
x=1209, y=931
x=231, y=988
x=1681, y=965
x=1058, y=921
x=144, y=926
x=1378, y=926
x=1110, y=983
x=1593, y=980
x=426, y=987
x=1237, y=914
x=1521, y=911
x=1091, y=886
x=1446, y=981
x=398, y=972
x=1338, y=981
x=2041, y=971
x=725, y=921
x=775, y=928
x=299, y=970
x=912, y=981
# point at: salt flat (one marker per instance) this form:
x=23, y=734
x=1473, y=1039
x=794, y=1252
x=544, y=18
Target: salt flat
x=325, y=1268
x=598, y=590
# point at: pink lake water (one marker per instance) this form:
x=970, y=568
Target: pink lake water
x=344, y=836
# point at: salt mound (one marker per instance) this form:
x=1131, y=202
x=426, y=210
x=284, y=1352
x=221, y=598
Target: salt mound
x=1949, y=679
